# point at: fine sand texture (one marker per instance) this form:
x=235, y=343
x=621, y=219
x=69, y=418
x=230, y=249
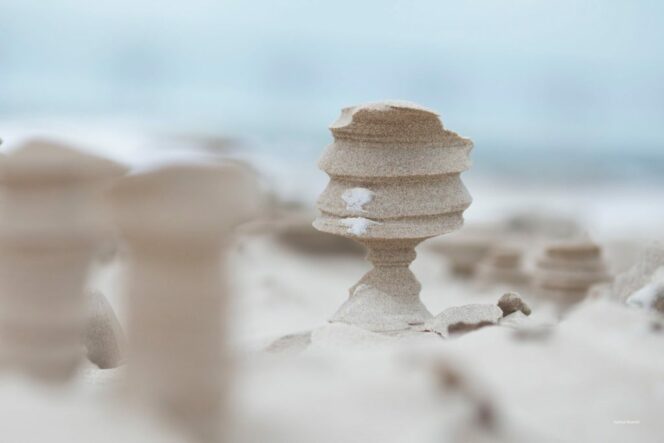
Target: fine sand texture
x=394, y=182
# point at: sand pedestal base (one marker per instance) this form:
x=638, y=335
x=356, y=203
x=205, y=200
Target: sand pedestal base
x=387, y=297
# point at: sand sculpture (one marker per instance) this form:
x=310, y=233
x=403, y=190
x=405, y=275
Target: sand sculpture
x=464, y=256
x=503, y=264
x=650, y=296
x=567, y=270
x=49, y=232
x=465, y=249
x=394, y=182
x=639, y=275
x=175, y=222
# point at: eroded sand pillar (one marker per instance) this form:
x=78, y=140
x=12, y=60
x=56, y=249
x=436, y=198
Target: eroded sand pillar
x=394, y=182
x=50, y=225
x=566, y=270
x=176, y=222
x=503, y=265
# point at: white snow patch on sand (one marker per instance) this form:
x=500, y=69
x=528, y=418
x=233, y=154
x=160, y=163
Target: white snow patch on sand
x=356, y=198
x=646, y=296
x=357, y=225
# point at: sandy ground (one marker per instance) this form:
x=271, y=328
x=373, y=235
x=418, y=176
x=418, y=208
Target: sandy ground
x=595, y=375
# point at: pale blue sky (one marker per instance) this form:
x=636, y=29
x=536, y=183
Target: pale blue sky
x=537, y=76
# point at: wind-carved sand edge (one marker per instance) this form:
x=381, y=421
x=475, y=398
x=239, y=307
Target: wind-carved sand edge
x=410, y=165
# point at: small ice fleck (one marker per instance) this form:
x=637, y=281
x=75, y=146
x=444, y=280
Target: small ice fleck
x=357, y=225
x=356, y=198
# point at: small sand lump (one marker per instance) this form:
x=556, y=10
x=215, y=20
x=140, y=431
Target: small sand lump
x=511, y=302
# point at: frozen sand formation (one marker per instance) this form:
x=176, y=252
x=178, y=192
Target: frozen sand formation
x=465, y=250
x=58, y=205
x=637, y=276
x=567, y=270
x=503, y=264
x=394, y=182
x=640, y=286
x=50, y=230
x=176, y=222
x=501, y=374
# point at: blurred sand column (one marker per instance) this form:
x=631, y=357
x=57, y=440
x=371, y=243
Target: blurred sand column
x=566, y=271
x=503, y=264
x=50, y=226
x=394, y=182
x=176, y=221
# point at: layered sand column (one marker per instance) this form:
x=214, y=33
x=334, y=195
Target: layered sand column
x=566, y=271
x=176, y=222
x=50, y=230
x=394, y=182
x=503, y=265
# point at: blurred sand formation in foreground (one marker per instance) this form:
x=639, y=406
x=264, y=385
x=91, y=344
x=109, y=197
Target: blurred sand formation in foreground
x=199, y=330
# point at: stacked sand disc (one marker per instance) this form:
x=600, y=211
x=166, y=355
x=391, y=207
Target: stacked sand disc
x=49, y=233
x=464, y=255
x=464, y=250
x=503, y=265
x=567, y=270
x=394, y=181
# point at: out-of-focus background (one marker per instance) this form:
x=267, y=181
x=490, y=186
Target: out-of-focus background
x=564, y=101
x=560, y=91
